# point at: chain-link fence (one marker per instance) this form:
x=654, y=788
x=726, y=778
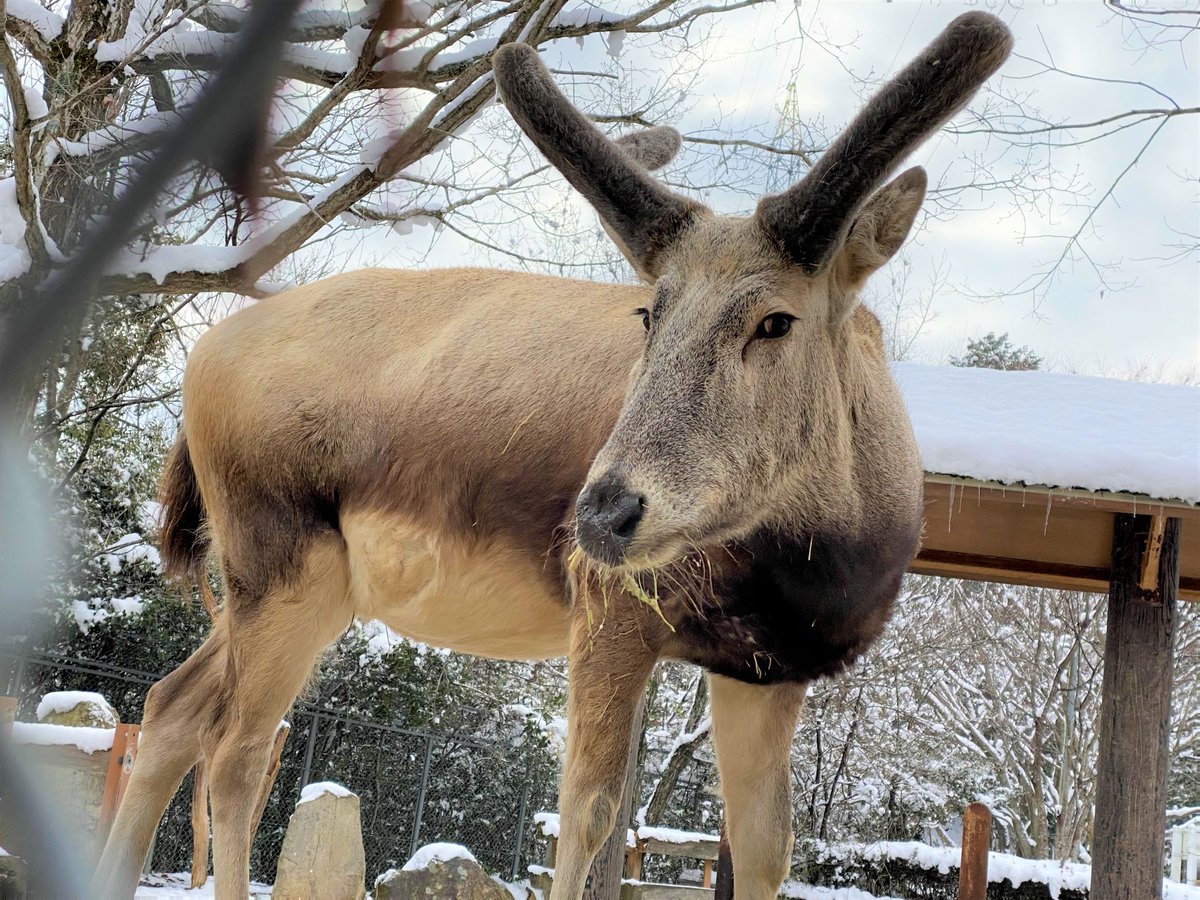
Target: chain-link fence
x=414, y=787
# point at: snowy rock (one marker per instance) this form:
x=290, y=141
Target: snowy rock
x=12, y=875
x=322, y=853
x=445, y=871
x=80, y=708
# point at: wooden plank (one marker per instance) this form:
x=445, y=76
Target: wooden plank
x=1148, y=578
x=723, y=890
x=120, y=767
x=649, y=891
x=687, y=849
x=973, y=862
x=8, y=713
x=1015, y=538
x=1135, y=717
x=1104, y=501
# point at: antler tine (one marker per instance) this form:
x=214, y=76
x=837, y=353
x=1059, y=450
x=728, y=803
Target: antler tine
x=644, y=214
x=810, y=219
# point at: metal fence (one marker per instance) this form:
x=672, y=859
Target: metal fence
x=414, y=787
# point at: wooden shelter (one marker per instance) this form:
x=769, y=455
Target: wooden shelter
x=1104, y=499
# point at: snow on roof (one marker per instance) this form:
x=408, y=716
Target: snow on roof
x=320, y=789
x=89, y=740
x=1065, y=431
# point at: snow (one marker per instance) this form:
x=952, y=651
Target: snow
x=162, y=261
x=320, y=789
x=49, y=25
x=65, y=701
x=176, y=886
x=798, y=891
x=547, y=823
x=14, y=256
x=40, y=734
x=91, y=612
x=673, y=835
x=93, y=141
x=130, y=548
x=1057, y=876
x=36, y=103
x=436, y=853
x=1064, y=431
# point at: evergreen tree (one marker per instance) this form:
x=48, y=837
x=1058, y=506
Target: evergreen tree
x=994, y=351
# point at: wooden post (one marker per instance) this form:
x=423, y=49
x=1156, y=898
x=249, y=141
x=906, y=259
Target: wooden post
x=199, y=825
x=633, y=862
x=8, y=712
x=120, y=767
x=724, y=886
x=973, y=864
x=1135, y=712
x=604, y=879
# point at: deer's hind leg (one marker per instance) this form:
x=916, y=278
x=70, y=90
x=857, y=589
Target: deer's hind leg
x=168, y=748
x=274, y=641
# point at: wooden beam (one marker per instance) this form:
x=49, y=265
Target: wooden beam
x=1041, y=540
x=723, y=890
x=8, y=712
x=120, y=767
x=1135, y=716
x=1148, y=579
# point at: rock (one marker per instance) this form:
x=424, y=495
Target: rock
x=440, y=879
x=12, y=877
x=322, y=853
x=80, y=708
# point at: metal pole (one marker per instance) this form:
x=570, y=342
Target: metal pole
x=516, y=866
x=420, y=808
x=306, y=768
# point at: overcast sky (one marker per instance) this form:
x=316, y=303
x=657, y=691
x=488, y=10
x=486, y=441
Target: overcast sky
x=1146, y=311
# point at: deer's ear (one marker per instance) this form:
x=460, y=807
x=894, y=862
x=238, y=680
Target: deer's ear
x=879, y=231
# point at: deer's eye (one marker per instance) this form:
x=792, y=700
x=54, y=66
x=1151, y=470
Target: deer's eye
x=775, y=325
x=645, y=314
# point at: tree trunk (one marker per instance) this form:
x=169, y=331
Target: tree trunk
x=604, y=880
x=1135, y=713
x=680, y=757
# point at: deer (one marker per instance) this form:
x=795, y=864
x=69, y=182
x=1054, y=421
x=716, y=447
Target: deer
x=713, y=465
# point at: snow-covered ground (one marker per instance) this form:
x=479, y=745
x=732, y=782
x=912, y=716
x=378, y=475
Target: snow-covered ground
x=174, y=886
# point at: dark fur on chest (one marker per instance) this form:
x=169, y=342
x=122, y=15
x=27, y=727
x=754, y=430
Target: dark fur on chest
x=788, y=609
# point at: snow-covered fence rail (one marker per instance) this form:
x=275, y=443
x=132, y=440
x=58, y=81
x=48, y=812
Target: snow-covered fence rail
x=80, y=757
x=647, y=840
x=415, y=786
x=1185, y=853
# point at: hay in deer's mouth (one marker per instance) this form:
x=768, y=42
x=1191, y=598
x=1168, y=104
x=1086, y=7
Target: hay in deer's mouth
x=581, y=566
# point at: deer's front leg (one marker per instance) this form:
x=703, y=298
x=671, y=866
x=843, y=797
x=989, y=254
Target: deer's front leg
x=753, y=727
x=608, y=666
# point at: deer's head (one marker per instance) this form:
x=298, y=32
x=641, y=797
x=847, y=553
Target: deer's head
x=737, y=400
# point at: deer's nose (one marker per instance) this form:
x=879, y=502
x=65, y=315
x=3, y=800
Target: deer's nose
x=606, y=518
